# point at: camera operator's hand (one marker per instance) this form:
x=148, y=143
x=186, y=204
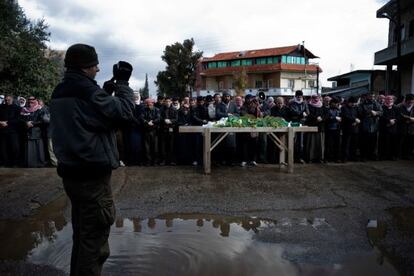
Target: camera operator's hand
x=109, y=86
x=122, y=71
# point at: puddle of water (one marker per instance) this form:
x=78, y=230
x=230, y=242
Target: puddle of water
x=404, y=219
x=18, y=237
x=176, y=244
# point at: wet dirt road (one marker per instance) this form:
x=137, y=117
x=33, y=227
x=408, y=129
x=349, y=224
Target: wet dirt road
x=236, y=221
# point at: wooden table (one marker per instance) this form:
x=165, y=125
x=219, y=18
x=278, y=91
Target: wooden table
x=282, y=137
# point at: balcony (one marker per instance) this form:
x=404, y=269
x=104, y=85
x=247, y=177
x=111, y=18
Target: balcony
x=388, y=56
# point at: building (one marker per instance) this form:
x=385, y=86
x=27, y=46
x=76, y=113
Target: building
x=400, y=50
x=359, y=82
x=275, y=71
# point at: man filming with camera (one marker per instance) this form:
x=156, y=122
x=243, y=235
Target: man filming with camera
x=83, y=118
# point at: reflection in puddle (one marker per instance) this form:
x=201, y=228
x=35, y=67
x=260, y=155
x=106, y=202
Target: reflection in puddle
x=177, y=244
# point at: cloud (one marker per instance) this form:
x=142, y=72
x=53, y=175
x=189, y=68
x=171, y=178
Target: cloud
x=340, y=32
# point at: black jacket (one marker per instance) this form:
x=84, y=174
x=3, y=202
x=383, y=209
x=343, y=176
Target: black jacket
x=184, y=119
x=82, y=122
x=11, y=114
x=369, y=123
x=168, y=113
x=314, y=113
x=297, y=110
x=151, y=115
x=349, y=115
x=199, y=114
x=283, y=112
x=406, y=125
x=388, y=114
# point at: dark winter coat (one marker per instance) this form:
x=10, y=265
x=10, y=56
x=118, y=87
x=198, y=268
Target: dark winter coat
x=349, y=115
x=184, y=119
x=369, y=123
x=199, y=114
x=221, y=110
x=314, y=113
x=283, y=112
x=11, y=114
x=406, y=126
x=83, y=118
x=151, y=115
x=296, y=111
x=387, y=115
x=168, y=113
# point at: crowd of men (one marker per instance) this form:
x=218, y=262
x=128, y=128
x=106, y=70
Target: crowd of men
x=354, y=129
x=24, y=137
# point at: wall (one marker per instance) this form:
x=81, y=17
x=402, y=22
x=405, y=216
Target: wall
x=378, y=83
x=253, y=78
x=211, y=83
x=406, y=78
x=298, y=77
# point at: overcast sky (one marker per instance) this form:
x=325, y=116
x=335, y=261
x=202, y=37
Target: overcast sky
x=344, y=34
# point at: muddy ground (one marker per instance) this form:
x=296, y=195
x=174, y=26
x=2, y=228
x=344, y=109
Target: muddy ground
x=322, y=208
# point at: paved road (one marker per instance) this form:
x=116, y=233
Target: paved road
x=322, y=209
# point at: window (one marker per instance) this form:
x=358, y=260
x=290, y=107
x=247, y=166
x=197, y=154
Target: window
x=269, y=83
x=269, y=60
x=212, y=65
x=221, y=64
x=235, y=63
x=275, y=60
x=289, y=60
x=311, y=83
x=221, y=85
x=302, y=60
x=291, y=84
x=260, y=60
x=283, y=59
x=259, y=84
x=245, y=62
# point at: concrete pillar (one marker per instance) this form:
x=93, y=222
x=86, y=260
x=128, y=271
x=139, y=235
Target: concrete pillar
x=388, y=79
x=412, y=79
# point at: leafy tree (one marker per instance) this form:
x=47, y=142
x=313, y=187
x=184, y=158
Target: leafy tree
x=27, y=67
x=145, y=91
x=240, y=81
x=179, y=75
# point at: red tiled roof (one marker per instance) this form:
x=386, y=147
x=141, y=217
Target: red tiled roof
x=261, y=68
x=257, y=53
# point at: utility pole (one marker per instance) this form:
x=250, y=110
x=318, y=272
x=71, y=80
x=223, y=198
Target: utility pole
x=304, y=56
x=317, y=79
x=398, y=27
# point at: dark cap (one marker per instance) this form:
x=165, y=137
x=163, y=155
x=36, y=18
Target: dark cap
x=352, y=99
x=200, y=98
x=81, y=56
x=248, y=96
x=298, y=93
x=335, y=100
x=409, y=97
x=225, y=94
